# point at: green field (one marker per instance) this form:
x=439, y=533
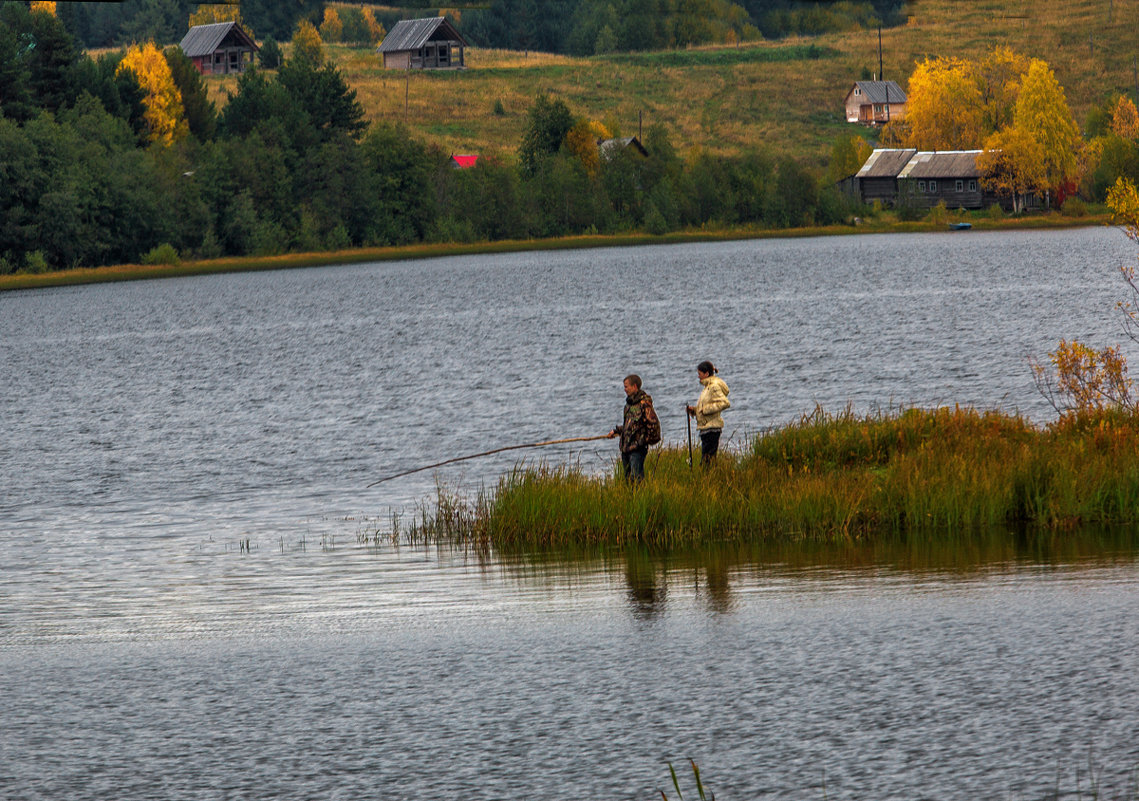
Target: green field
x=785, y=97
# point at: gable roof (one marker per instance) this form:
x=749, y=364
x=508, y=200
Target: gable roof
x=412, y=34
x=942, y=164
x=877, y=92
x=610, y=147
x=201, y=40
x=886, y=163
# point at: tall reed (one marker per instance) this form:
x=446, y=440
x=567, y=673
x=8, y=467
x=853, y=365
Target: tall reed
x=828, y=477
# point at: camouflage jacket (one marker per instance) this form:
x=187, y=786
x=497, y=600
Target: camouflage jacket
x=639, y=424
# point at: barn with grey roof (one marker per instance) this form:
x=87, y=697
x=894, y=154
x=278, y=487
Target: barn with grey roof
x=219, y=48
x=423, y=44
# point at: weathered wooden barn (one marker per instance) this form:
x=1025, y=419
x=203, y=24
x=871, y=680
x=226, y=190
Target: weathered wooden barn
x=423, y=44
x=875, y=102
x=947, y=176
x=878, y=178
x=219, y=48
x=922, y=179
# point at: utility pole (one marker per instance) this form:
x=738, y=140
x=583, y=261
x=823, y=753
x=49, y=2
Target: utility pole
x=881, y=75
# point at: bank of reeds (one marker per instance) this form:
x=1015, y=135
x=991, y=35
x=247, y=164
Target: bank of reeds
x=828, y=477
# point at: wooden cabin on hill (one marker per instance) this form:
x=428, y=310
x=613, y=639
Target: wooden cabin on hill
x=423, y=44
x=219, y=48
x=875, y=102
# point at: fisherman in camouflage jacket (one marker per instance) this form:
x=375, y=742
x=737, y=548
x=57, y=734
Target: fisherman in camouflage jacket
x=639, y=429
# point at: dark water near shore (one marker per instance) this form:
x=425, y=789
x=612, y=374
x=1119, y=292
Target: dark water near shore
x=151, y=430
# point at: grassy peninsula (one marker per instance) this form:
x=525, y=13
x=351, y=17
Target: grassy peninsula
x=828, y=478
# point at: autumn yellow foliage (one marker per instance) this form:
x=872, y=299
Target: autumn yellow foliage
x=307, y=44
x=331, y=28
x=43, y=6
x=216, y=12
x=164, y=113
x=1125, y=119
x=581, y=140
x=944, y=106
x=376, y=31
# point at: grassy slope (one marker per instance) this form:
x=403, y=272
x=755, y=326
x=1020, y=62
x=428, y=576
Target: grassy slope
x=727, y=99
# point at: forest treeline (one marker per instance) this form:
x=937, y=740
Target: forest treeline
x=583, y=27
x=102, y=166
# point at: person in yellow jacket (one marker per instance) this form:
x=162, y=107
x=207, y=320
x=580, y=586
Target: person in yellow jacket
x=713, y=400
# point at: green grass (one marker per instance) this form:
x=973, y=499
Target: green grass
x=721, y=57
x=925, y=474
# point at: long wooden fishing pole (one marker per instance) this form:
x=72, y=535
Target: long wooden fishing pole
x=689, y=418
x=488, y=453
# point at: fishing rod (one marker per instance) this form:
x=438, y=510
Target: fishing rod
x=488, y=453
x=688, y=417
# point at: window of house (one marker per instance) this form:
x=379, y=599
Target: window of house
x=857, y=91
x=921, y=186
x=972, y=186
x=932, y=187
x=960, y=186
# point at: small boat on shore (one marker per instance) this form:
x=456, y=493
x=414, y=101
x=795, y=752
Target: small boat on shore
x=960, y=226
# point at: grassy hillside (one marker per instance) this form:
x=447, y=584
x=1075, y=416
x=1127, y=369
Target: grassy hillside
x=785, y=96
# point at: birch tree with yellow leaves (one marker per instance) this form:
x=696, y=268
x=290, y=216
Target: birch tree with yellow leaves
x=943, y=106
x=1039, y=153
x=164, y=114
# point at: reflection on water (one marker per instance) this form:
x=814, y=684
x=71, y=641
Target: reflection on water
x=712, y=573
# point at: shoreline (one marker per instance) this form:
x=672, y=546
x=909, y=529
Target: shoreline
x=236, y=264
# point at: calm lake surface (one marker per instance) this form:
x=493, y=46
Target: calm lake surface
x=186, y=610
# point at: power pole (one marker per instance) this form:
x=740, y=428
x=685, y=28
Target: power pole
x=881, y=76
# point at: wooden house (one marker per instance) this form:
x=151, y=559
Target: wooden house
x=423, y=44
x=219, y=48
x=875, y=102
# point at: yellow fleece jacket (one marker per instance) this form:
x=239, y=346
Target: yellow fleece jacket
x=713, y=400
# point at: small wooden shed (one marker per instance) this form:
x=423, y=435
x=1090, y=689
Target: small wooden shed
x=219, y=48
x=875, y=102
x=423, y=44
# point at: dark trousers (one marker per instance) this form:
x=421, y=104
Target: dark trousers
x=634, y=464
x=709, y=444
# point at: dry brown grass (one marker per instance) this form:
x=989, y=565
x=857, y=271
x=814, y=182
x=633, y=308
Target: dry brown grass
x=783, y=106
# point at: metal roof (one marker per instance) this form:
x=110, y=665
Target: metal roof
x=201, y=40
x=884, y=163
x=610, y=147
x=942, y=164
x=879, y=91
x=412, y=34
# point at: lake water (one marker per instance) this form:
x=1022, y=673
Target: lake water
x=186, y=611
